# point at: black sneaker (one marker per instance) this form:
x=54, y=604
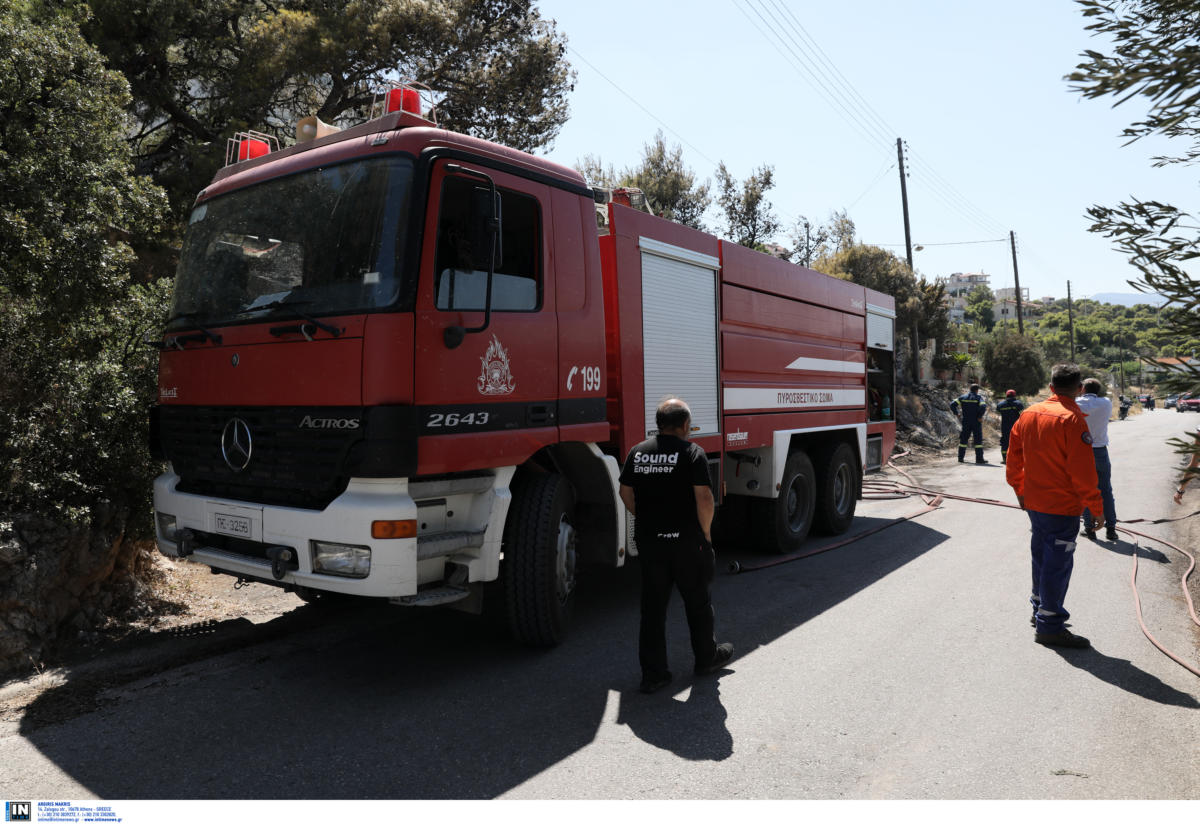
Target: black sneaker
x=653, y=683
x=1091, y=533
x=1111, y=533
x=982, y=460
x=1063, y=638
x=719, y=660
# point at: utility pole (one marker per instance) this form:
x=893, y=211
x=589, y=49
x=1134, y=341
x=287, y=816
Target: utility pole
x=904, y=201
x=1071, y=324
x=916, y=339
x=1012, y=239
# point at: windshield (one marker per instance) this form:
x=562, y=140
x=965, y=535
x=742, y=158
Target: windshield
x=329, y=240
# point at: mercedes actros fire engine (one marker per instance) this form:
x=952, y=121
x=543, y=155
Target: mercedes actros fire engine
x=403, y=363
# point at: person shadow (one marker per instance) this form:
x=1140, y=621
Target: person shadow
x=1127, y=548
x=1122, y=673
x=694, y=728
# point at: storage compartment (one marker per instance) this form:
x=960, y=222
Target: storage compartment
x=679, y=332
x=881, y=385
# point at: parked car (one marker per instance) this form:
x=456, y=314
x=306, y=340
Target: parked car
x=1190, y=403
x=1170, y=402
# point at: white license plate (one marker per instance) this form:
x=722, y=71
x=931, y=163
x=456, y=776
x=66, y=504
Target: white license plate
x=235, y=525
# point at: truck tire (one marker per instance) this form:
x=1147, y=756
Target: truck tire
x=539, y=560
x=837, y=489
x=782, y=524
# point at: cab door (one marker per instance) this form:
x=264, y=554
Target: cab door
x=491, y=399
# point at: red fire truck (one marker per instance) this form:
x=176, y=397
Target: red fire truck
x=403, y=363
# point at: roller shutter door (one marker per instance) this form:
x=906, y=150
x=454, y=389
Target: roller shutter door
x=679, y=338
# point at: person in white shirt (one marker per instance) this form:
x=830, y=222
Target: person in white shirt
x=1098, y=410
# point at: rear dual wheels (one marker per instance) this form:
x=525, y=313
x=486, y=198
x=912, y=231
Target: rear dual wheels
x=824, y=497
x=837, y=489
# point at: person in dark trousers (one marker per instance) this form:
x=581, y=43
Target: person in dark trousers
x=1053, y=473
x=1098, y=410
x=970, y=410
x=1009, y=410
x=665, y=485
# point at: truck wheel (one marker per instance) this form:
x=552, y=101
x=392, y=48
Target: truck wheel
x=783, y=524
x=539, y=560
x=837, y=490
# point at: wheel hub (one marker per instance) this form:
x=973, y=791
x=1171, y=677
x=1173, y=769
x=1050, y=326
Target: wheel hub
x=565, y=560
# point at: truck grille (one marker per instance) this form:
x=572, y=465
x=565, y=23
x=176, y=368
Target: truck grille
x=289, y=466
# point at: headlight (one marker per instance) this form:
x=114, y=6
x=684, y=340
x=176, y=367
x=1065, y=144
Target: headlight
x=167, y=524
x=341, y=559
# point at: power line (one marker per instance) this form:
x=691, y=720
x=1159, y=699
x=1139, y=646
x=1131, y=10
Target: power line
x=876, y=125
x=802, y=67
x=633, y=100
x=887, y=168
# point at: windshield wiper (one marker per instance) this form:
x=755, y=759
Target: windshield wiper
x=303, y=329
x=179, y=340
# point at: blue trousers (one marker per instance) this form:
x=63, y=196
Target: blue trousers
x=1052, y=549
x=972, y=430
x=1104, y=473
x=1005, y=431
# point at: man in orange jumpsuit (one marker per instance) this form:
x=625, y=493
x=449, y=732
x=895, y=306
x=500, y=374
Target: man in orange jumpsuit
x=1053, y=472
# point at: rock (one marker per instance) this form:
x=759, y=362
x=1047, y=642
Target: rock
x=61, y=581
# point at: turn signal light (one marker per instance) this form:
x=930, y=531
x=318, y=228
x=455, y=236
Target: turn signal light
x=393, y=529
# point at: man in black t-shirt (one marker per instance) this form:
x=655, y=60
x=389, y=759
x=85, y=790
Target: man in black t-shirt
x=665, y=485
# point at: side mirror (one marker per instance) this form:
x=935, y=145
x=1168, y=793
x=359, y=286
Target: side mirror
x=486, y=226
x=486, y=223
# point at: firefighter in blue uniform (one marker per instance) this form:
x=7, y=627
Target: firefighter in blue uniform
x=1009, y=410
x=970, y=409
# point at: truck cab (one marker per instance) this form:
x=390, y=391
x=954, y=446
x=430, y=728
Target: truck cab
x=355, y=380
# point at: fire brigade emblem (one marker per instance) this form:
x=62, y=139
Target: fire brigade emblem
x=496, y=377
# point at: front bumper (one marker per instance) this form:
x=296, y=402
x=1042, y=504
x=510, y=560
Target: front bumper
x=395, y=569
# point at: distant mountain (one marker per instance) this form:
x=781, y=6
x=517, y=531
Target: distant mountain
x=1128, y=298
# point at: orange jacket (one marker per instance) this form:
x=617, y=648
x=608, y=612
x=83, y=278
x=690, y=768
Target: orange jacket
x=1050, y=462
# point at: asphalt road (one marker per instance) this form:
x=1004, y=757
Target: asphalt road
x=900, y=666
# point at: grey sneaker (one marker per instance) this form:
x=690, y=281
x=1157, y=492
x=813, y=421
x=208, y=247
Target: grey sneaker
x=719, y=660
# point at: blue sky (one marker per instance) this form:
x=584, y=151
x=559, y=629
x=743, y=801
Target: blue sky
x=996, y=139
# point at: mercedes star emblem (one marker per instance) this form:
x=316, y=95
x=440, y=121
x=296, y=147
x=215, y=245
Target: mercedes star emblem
x=236, y=444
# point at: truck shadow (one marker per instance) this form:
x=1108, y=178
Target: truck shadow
x=377, y=702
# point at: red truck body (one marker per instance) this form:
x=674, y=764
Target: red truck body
x=335, y=424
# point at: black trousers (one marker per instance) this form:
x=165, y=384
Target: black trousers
x=687, y=565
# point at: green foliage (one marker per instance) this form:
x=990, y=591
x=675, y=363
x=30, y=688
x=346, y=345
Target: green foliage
x=662, y=175
x=1012, y=361
x=669, y=184
x=75, y=384
x=879, y=269
x=980, y=311
x=203, y=69
x=1153, y=55
x=810, y=242
x=749, y=219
